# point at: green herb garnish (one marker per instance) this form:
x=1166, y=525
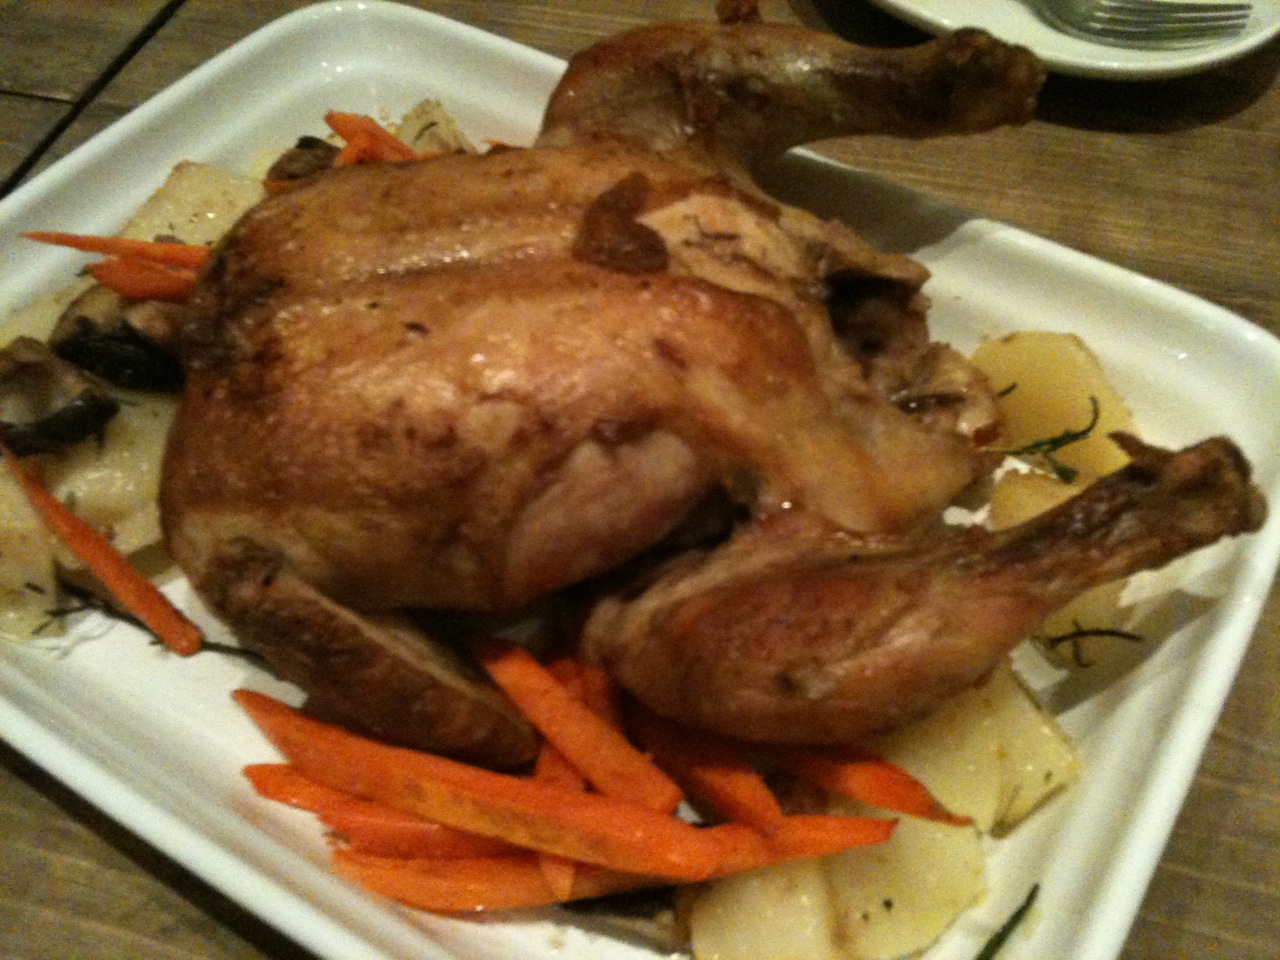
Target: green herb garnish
x=83, y=600
x=1047, y=447
x=1074, y=636
x=1006, y=931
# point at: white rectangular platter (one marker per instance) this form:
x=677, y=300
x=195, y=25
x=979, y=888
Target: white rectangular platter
x=155, y=741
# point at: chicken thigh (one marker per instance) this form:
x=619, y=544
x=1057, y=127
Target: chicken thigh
x=470, y=381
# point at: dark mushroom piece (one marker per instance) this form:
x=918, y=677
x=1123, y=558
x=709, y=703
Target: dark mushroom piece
x=123, y=341
x=309, y=155
x=47, y=403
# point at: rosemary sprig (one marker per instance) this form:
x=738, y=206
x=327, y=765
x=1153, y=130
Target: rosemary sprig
x=83, y=600
x=1078, y=633
x=999, y=938
x=1048, y=446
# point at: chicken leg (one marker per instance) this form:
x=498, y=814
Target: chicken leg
x=791, y=634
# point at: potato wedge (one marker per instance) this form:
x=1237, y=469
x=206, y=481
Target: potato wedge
x=782, y=912
x=1037, y=759
x=28, y=586
x=895, y=899
x=955, y=753
x=1049, y=379
x=197, y=203
x=113, y=485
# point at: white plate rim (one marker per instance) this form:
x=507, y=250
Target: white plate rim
x=1015, y=22
x=266, y=864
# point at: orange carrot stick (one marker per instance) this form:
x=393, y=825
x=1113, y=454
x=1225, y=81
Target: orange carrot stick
x=497, y=883
x=711, y=768
x=795, y=837
x=358, y=149
x=870, y=780
x=553, y=768
x=284, y=784
x=135, y=592
x=144, y=279
x=592, y=686
x=381, y=830
x=382, y=143
x=191, y=256
x=492, y=883
x=597, y=749
x=367, y=826
x=581, y=826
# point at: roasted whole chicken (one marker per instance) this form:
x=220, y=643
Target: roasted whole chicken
x=472, y=382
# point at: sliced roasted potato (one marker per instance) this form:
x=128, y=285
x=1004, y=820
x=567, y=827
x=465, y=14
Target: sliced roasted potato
x=1049, y=379
x=1017, y=497
x=429, y=128
x=955, y=753
x=1037, y=759
x=781, y=912
x=28, y=585
x=37, y=318
x=113, y=484
x=991, y=752
x=871, y=903
x=894, y=899
x=1088, y=630
x=197, y=203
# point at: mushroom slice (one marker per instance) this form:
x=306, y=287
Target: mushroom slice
x=123, y=341
x=47, y=403
x=309, y=155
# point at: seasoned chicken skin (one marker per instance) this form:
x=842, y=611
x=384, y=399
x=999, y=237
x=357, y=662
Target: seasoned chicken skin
x=797, y=633
x=440, y=377
x=467, y=382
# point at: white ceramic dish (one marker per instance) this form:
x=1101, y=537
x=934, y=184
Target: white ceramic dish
x=155, y=742
x=1017, y=22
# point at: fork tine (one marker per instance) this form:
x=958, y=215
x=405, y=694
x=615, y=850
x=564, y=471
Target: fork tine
x=1177, y=6
x=1159, y=12
x=1176, y=34
x=1178, y=37
x=1148, y=23
x=1173, y=29
x=1122, y=17
x=1159, y=20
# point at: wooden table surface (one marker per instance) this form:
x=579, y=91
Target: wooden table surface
x=1177, y=179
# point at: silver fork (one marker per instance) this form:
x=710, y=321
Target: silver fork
x=1146, y=23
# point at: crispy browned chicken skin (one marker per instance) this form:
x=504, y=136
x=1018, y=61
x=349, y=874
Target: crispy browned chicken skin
x=797, y=633
x=470, y=381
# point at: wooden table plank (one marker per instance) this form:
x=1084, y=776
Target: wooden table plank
x=1216, y=891
x=23, y=121
x=54, y=49
x=76, y=886
x=1179, y=180
x=52, y=55
x=94, y=118
x=203, y=28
